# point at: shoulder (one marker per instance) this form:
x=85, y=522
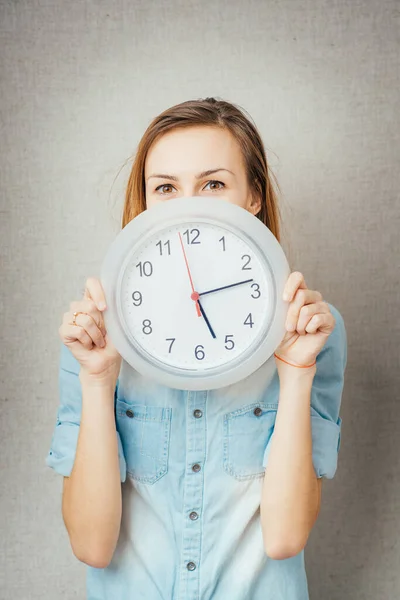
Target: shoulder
x=339, y=320
x=68, y=362
x=334, y=351
x=328, y=381
x=339, y=332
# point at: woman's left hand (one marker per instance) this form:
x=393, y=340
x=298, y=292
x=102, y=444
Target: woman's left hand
x=309, y=323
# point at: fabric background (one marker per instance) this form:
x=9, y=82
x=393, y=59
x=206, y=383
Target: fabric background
x=80, y=81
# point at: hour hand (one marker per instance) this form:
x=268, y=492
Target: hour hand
x=195, y=296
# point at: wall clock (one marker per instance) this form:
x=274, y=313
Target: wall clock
x=194, y=293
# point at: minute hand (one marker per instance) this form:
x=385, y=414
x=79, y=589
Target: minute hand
x=225, y=287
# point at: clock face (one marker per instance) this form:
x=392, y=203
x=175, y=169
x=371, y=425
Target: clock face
x=195, y=296
x=193, y=288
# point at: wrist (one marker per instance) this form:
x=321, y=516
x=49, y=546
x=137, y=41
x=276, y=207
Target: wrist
x=98, y=381
x=290, y=374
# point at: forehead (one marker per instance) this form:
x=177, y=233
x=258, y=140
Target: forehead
x=194, y=149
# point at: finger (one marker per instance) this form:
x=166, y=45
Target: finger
x=88, y=306
x=295, y=281
x=88, y=318
x=306, y=314
x=72, y=334
x=94, y=290
x=322, y=322
x=302, y=297
x=89, y=325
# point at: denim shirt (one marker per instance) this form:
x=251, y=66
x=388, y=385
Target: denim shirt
x=192, y=469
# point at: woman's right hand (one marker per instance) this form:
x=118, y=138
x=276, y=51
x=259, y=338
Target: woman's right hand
x=88, y=339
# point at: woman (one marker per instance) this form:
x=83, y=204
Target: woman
x=221, y=488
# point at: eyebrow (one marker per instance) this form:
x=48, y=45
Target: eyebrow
x=199, y=176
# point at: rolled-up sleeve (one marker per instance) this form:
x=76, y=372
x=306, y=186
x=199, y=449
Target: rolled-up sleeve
x=61, y=454
x=326, y=398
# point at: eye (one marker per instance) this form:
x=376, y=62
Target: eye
x=213, y=183
x=165, y=185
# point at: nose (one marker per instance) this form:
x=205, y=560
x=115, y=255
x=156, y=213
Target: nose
x=188, y=190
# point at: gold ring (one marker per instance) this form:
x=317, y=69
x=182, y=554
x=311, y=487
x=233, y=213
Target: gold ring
x=75, y=315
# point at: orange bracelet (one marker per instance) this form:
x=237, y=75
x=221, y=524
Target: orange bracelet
x=292, y=365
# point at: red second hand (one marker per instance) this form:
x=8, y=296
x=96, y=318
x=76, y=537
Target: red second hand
x=194, y=296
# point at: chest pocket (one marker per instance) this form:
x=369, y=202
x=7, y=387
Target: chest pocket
x=145, y=437
x=247, y=431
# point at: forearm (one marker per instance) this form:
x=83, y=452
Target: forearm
x=92, y=499
x=289, y=500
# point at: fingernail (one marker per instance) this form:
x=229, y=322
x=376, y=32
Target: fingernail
x=101, y=306
x=286, y=296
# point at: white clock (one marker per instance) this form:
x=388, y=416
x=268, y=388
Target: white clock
x=194, y=293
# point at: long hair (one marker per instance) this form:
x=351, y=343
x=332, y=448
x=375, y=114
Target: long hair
x=218, y=113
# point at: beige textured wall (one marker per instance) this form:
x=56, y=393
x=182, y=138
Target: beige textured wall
x=79, y=83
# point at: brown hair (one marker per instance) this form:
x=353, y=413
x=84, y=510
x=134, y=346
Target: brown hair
x=218, y=113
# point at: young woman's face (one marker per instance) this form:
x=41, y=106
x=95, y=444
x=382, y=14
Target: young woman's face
x=197, y=161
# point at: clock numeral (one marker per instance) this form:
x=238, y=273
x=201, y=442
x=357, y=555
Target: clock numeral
x=170, y=346
x=257, y=290
x=249, y=321
x=199, y=352
x=229, y=344
x=167, y=244
x=223, y=243
x=145, y=268
x=137, y=298
x=147, y=328
x=193, y=239
x=245, y=267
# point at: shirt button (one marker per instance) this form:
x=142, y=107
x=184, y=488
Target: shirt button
x=190, y=566
x=129, y=413
x=193, y=515
x=257, y=411
x=196, y=468
x=198, y=413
